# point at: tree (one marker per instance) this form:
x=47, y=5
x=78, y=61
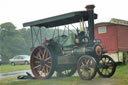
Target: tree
x=26, y=34
x=11, y=41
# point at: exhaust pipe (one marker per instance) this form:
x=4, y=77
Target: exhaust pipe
x=90, y=10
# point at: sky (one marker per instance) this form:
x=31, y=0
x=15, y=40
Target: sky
x=21, y=11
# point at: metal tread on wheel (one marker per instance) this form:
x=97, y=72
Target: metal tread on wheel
x=87, y=67
x=41, y=62
x=107, y=66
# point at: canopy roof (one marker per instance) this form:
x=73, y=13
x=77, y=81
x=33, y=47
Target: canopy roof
x=59, y=20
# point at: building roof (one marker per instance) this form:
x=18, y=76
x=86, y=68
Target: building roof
x=119, y=21
x=59, y=20
x=113, y=21
x=106, y=24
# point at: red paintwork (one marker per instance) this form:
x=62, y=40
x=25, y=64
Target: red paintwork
x=116, y=38
x=122, y=38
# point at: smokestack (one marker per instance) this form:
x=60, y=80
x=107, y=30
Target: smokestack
x=90, y=7
x=90, y=10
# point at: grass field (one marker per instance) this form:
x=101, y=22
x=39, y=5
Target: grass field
x=9, y=68
x=121, y=77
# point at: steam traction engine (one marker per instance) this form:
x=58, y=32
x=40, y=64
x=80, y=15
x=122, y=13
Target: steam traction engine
x=67, y=53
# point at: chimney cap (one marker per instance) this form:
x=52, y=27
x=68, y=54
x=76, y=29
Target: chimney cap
x=90, y=7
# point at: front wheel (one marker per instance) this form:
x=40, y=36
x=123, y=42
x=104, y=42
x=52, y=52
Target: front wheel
x=87, y=67
x=107, y=66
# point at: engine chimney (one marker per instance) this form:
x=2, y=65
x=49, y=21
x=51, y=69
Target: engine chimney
x=90, y=9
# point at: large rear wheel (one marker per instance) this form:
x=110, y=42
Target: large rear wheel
x=87, y=67
x=107, y=66
x=42, y=63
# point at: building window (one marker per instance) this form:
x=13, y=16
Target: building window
x=102, y=30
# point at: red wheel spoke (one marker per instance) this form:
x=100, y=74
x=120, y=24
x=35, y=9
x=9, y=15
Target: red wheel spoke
x=40, y=51
x=44, y=53
x=37, y=66
x=37, y=57
x=47, y=70
x=43, y=70
x=49, y=62
x=47, y=66
x=37, y=61
x=47, y=59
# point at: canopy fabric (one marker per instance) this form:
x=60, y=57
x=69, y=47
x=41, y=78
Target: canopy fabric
x=59, y=20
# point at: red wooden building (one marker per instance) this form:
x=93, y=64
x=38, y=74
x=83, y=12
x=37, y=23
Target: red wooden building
x=114, y=37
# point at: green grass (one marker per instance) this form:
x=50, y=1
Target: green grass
x=75, y=80
x=9, y=68
x=121, y=77
x=52, y=81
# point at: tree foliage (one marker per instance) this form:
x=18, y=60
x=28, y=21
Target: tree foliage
x=11, y=41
